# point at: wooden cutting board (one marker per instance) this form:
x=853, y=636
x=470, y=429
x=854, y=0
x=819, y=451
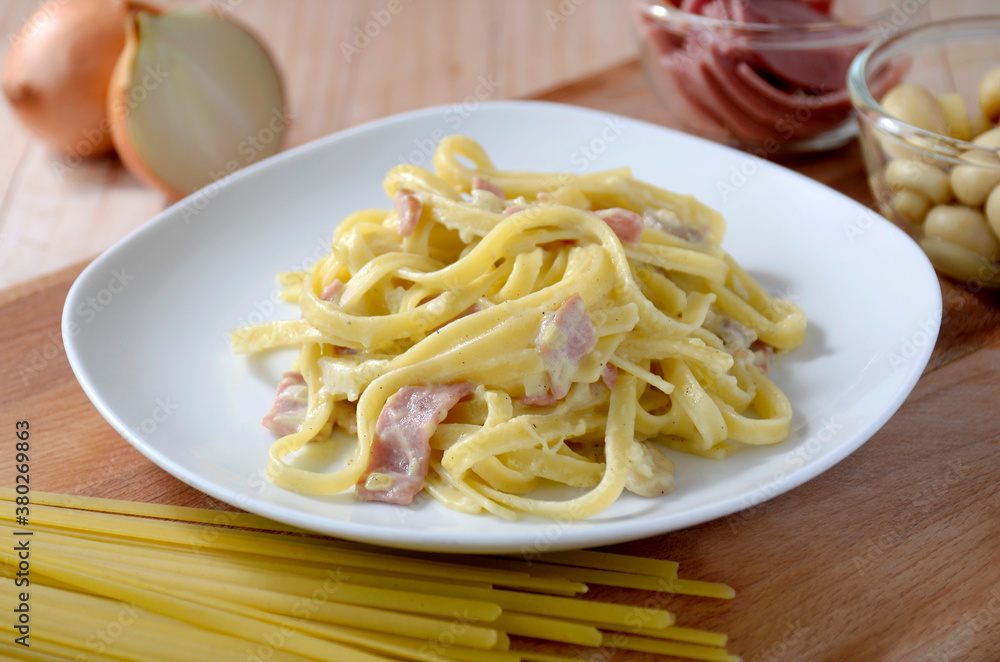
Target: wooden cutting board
x=894, y=554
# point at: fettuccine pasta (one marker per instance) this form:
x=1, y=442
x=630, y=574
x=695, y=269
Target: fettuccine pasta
x=499, y=331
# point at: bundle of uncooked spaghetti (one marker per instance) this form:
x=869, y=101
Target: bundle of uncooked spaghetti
x=128, y=581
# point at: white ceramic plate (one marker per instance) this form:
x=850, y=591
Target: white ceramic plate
x=146, y=325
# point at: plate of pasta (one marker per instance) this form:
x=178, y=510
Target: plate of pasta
x=526, y=328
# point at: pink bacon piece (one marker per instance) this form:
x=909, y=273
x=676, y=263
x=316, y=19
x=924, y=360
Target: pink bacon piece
x=481, y=184
x=545, y=399
x=290, y=403
x=624, y=223
x=401, y=449
x=563, y=339
x=408, y=208
x=331, y=290
x=609, y=375
x=330, y=293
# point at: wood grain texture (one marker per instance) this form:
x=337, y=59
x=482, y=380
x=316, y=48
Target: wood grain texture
x=891, y=556
x=56, y=211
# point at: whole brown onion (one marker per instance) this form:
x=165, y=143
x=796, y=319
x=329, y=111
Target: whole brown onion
x=57, y=71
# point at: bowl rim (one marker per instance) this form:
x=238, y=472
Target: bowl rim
x=856, y=29
x=869, y=110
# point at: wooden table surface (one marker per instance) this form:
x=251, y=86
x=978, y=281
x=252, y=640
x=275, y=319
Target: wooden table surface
x=892, y=555
x=55, y=212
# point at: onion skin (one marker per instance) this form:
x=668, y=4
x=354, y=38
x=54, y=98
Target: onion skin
x=56, y=77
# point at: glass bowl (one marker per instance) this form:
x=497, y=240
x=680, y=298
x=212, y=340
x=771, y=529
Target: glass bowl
x=936, y=181
x=732, y=74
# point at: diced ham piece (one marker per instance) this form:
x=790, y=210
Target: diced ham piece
x=408, y=208
x=513, y=209
x=481, y=184
x=563, y=339
x=545, y=399
x=330, y=293
x=331, y=290
x=609, y=375
x=290, y=403
x=626, y=224
x=400, y=453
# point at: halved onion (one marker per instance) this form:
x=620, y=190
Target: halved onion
x=193, y=98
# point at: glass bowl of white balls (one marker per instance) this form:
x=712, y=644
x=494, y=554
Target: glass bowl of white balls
x=931, y=144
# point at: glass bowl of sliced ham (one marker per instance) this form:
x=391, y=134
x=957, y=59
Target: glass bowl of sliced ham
x=767, y=76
